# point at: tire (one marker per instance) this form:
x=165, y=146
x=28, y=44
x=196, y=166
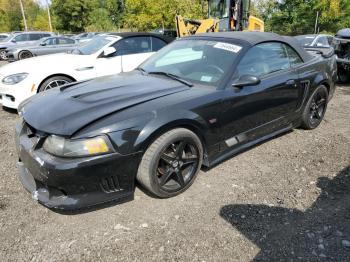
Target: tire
x=24, y=55
x=315, y=108
x=3, y=54
x=171, y=163
x=343, y=76
x=53, y=82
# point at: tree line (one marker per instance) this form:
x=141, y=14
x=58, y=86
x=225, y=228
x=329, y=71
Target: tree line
x=289, y=17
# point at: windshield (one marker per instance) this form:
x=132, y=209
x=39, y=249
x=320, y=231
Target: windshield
x=219, y=8
x=94, y=45
x=306, y=40
x=197, y=61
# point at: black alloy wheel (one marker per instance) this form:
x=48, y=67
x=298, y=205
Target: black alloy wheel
x=171, y=163
x=177, y=165
x=316, y=108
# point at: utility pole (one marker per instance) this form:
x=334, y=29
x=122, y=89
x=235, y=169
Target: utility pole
x=316, y=23
x=23, y=15
x=49, y=15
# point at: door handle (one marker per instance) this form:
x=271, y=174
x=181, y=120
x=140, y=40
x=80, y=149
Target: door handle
x=290, y=82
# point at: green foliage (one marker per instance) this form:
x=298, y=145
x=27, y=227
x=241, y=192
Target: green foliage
x=72, y=15
x=147, y=15
x=288, y=17
x=292, y=17
x=11, y=17
x=100, y=21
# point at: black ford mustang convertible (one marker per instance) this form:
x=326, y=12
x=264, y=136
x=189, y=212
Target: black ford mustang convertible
x=196, y=102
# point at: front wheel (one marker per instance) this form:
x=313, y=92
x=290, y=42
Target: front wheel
x=3, y=54
x=53, y=82
x=315, y=108
x=343, y=76
x=171, y=163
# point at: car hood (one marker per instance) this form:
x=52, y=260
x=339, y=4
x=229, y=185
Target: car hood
x=55, y=62
x=64, y=111
x=6, y=44
x=22, y=46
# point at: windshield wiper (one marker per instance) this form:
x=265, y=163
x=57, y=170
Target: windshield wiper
x=172, y=76
x=141, y=70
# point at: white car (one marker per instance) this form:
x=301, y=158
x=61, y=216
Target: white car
x=104, y=55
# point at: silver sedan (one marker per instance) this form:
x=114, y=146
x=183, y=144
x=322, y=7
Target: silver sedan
x=45, y=46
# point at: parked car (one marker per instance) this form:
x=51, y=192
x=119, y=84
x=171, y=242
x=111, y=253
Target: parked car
x=315, y=40
x=342, y=49
x=196, y=102
x=104, y=55
x=3, y=36
x=85, y=37
x=45, y=46
x=21, y=38
x=166, y=32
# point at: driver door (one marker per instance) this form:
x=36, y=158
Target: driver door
x=254, y=111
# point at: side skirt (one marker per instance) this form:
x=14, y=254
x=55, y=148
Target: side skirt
x=245, y=146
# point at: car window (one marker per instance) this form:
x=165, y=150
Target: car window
x=134, y=45
x=264, y=59
x=322, y=41
x=34, y=37
x=157, y=44
x=65, y=41
x=21, y=38
x=305, y=40
x=330, y=40
x=46, y=35
x=294, y=57
x=50, y=41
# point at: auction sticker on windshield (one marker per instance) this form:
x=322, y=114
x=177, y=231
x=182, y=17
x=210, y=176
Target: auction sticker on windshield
x=228, y=47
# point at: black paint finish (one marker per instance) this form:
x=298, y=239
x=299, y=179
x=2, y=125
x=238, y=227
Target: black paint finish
x=134, y=108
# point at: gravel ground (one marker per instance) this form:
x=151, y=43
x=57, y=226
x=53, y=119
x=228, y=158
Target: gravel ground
x=285, y=200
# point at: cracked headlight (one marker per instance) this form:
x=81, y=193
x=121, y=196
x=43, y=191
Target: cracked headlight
x=59, y=146
x=14, y=79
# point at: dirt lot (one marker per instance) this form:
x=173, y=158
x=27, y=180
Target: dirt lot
x=285, y=200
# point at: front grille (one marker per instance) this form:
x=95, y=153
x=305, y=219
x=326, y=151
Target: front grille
x=110, y=184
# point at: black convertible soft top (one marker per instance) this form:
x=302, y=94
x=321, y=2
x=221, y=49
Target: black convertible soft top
x=254, y=38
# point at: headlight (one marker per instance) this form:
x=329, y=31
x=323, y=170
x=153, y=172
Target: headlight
x=62, y=147
x=14, y=79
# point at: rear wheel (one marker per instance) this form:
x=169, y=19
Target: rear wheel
x=24, y=55
x=171, y=163
x=53, y=82
x=315, y=108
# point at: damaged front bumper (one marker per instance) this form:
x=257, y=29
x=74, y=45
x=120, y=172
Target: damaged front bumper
x=71, y=184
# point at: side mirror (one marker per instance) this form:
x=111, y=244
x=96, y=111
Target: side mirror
x=246, y=80
x=43, y=44
x=13, y=41
x=108, y=51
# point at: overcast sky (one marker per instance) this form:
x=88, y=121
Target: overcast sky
x=42, y=2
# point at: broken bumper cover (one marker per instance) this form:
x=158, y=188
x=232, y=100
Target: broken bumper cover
x=71, y=184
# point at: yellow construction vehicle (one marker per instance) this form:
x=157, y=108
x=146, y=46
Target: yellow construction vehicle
x=223, y=15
